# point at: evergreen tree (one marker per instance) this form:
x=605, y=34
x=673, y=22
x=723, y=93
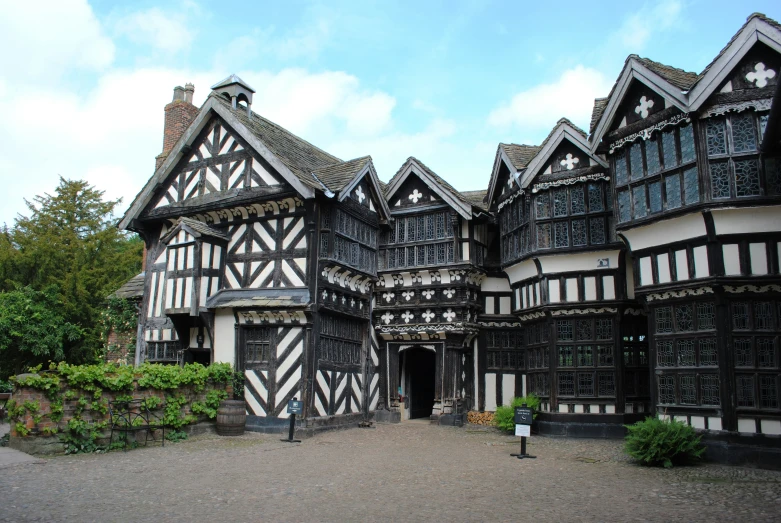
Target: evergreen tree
x=70, y=240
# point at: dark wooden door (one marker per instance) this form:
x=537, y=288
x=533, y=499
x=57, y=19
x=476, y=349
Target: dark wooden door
x=420, y=367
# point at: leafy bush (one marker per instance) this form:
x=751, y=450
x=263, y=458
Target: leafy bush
x=6, y=386
x=656, y=442
x=504, y=417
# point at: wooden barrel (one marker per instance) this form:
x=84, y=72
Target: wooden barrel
x=231, y=417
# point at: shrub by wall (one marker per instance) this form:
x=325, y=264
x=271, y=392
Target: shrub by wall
x=71, y=401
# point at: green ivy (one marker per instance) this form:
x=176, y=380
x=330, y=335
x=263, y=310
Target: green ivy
x=209, y=406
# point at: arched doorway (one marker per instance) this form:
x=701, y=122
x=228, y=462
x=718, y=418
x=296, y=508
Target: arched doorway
x=418, y=377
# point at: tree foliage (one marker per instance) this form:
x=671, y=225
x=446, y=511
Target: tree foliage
x=32, y=330
x=69, y=240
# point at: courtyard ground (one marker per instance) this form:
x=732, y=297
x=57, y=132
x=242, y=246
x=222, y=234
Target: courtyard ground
x=407, y=472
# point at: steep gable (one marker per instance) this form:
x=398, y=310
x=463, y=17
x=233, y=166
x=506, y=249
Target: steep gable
x=509, y=161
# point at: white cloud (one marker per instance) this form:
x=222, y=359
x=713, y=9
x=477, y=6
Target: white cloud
x=165, y=31
x=43, y=39
x=539, y=108
x=638, y=27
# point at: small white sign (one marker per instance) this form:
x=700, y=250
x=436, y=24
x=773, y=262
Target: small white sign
x=523, y=430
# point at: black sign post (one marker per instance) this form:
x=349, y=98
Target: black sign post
x=293, y=407
x=523, y=421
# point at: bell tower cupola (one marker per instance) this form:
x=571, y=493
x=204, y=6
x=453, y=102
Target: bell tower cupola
x=236, y=90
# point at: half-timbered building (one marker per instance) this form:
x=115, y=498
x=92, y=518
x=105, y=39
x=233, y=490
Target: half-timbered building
x=633, y=269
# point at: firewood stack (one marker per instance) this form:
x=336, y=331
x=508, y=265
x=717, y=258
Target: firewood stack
x=480, y=418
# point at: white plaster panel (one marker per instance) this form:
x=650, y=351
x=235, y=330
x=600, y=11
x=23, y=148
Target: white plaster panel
x=490, y=392
x=682, y=419
x=504, y=305
x=495, y=285
x=752, y=219
x=508, y=388
x=666, y=231
x=770, y=426
x=714, y=423
x=465, y=251
x=579, y=409
x=563, y=407
x=682, y=265
x=608, y=288
x=594, y=408
x=610, y=409
x=731, y=255
x=698, y=422
x=489, y=305
x=224, y=334
x=577, y=262
x=523, y=297
x=572, y=289
x=646, y=271
x=747, y=425
x=521, y=271
x=758, y=255
x=537, y=295
x=523, y=384
x=630, y=280
x=554, y=293
x=663, y=262
x=701, y=269
x=590, y=288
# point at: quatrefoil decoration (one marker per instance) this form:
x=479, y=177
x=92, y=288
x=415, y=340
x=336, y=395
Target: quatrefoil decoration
x=359, y=194
x=435, y=276
x=449, y=292
x=428, y=293
x=388, y=296
x=645, y=105
x=759, y=76
x=408, y=295
x=449, y=315
x=407, y=316
x=428, y=315
x=570, y=161
x=387, y=317
x=415, y=196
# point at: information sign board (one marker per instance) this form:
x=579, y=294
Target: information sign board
x=295, y=407
x=523, y=415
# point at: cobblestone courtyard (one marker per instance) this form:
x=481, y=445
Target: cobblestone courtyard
x=408, y=472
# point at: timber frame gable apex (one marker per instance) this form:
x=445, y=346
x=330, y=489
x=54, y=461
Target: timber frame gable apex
x=211, y=107
x=501, y=156
x=412, y=165
x=634, y=69
x=370, y=173
x=757, y=28
x=564, y=130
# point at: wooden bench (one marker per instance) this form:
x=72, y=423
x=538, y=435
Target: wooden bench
x=134, y=416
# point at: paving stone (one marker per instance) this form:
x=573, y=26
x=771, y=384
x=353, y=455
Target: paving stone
x=410, y=472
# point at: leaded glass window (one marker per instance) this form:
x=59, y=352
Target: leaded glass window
x=744, y=389
x=583, y=330
x=624, y=208
x=566, y=383
x=561, y=234
x=652, y=159
x=743, y=135
x=566, y=356
x=740, y=316
x=655, y=196
x=597, y=228
x=579, y=233
x=747, y=177
x=667, y=390
x=585, y=384
x=604, y=329
x=543, y=205
x=664, y=320
x=543, y=236
x=595, y=198
x=683, y=318
x=668, y=149
x=638, y=194
x=686, y=355
x=719, y=179
x=672, y=187
x=706, y=316
x=691, y=186
x=607, y=384
x=688, y=389
x=564, y=330
x=766, y=353
x=560, y=202
x=708, y=355
x=709, y=389
x=636, y=161
x=688, y=153
x=605, y=355
x=620, y=169
x=744, y=356
x=578, y=202
x=665, y=354
x=715, y=136
x=763, y=315
x=768, y=392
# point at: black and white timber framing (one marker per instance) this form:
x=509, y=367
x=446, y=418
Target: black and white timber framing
x=628, y=270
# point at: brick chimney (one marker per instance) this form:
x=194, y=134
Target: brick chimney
x=179, y=114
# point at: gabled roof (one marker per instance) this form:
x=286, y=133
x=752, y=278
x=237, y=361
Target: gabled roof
x=133, y=288
x=663, y=79
x=477, y=198
x=343, y=177
x=293, y=157
x=450, y=195
x=196, y=228
x=515, y=156
x=758, y=28
x=564, y=130
x=596, y=112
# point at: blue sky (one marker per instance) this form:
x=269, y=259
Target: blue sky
x=442, y=81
